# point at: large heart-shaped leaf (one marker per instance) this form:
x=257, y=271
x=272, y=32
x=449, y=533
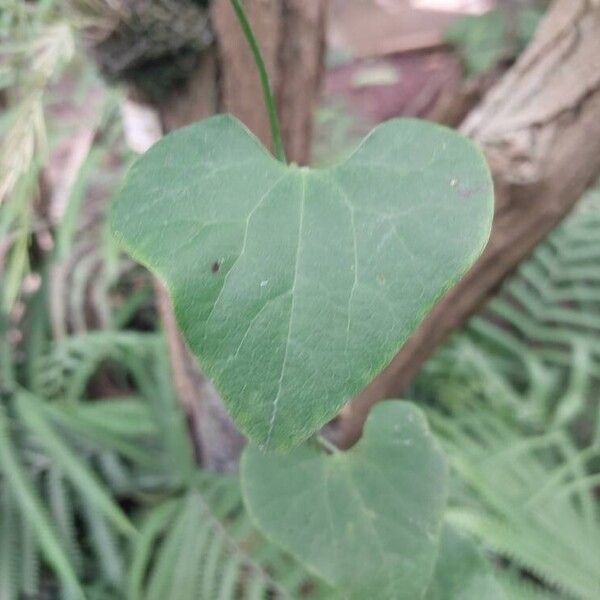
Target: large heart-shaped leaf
x=367, y=521
x=295, y=286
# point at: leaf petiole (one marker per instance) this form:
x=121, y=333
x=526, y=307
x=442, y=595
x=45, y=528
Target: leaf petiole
x=322, y=441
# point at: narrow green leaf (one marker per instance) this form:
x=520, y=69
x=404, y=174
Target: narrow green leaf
x=58, y=498
x=105, y=546
x=81, y=477
x=190, y=567
x=210, y=574
x=168, y=556
x=9, y=546
x=368, y=520
x=229, y=580
x=30, y=561
x=109, y=429
x=170, y=421
x=294, y=286
x=33, y=510
x=152, y=527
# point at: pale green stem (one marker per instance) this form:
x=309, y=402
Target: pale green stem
x=326, y=444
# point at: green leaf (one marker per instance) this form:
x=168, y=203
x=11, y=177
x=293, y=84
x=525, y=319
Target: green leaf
x=119, y=425
x=78, y=472
x=368, y=520
x=153, y=527
x=9, y=546
x=294, y=287
x=462, y=572
x=481, y=40
x=32, y=508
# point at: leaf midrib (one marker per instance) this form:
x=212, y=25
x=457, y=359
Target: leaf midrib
x=292, y=305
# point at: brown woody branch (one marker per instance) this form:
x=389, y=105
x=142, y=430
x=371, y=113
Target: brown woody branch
x=540, y=130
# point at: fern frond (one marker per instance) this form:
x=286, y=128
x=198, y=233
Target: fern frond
x=79, y=474
x=64, y=373
x=155, y=523
x=123, y=478
x=204, y=547
x=178, y=457
x=181, y=567
x=105, y=547
x=30, y=561
x=124, y=426
x=66, y=369
x=60, y=504
x=537, y=343
x=529, y=496
x=515, y=402
x=518, y=587
x=9, y=546
x=32, y=508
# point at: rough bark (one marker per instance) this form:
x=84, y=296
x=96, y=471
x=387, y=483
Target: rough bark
x=217, y=442
x=291, y=34
x=540, y=130
x=301, y=60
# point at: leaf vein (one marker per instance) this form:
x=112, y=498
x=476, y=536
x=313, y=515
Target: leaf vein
x=287, y=345
x=245, y=241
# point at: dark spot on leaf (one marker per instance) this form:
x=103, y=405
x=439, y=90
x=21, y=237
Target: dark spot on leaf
x=216, y=267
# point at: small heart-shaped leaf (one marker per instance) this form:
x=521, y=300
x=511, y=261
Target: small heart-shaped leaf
x=368, y=520
x=294, y=287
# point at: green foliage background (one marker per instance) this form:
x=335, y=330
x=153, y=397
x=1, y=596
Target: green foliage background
x=99, y=491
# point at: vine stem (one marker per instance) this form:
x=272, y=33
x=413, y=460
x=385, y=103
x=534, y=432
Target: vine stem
x=278, y=148
x=326, y=444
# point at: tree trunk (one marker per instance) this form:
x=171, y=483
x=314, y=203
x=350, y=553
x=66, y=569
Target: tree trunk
x=291, y=34
x=540, y=130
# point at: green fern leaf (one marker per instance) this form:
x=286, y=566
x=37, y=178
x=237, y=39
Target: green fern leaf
x=81, y=477
x=33, y=509
x=9, y=546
